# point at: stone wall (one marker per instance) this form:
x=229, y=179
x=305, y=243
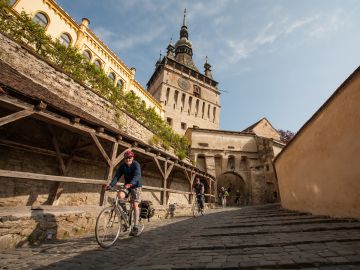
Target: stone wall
x=51, y=85
x=22, y=226
x=319, y=170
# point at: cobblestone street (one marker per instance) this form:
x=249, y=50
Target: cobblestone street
x=262, y=237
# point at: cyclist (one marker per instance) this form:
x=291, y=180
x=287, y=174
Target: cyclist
x=132, y=176
x=199, y=191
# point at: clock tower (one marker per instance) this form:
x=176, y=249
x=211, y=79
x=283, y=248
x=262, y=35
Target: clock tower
x=190, y=98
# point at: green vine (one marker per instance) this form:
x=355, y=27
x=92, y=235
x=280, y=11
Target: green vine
x=24, y=30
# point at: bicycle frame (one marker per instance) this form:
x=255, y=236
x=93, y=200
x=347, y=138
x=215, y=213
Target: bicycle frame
x=126, y=216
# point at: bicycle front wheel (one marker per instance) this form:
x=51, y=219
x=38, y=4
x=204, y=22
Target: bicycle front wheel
x=108, y=226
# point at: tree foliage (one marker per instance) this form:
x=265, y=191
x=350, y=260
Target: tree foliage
x=286, y=136
x=24, y=30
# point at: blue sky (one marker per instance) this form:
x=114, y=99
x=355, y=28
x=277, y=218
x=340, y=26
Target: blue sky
x=276, y=59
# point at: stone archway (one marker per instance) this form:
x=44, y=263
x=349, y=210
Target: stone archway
x=233, y=182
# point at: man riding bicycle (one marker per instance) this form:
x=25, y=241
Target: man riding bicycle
x=132, y=178
x=199, y=191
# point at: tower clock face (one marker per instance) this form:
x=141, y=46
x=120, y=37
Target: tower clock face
x=183, y=84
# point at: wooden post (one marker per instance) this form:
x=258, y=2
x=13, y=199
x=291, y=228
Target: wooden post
x=110, y=171
x=59, y=186
x=165, y=174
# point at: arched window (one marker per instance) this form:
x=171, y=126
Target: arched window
x=87, y=54
x=214, y=114
x=41, y=19
x=65, y=39
x=231, y=163
x=112, y=76
x=97, y=63
x=208, y=112
x=120, y=84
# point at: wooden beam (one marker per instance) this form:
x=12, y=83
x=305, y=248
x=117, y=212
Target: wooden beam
x=168, y=171
x=119, y=158
x=46, y=177
x=15, y=116
x=66, y=179
x=57, y=150
x=158, y=166
x=100, y=148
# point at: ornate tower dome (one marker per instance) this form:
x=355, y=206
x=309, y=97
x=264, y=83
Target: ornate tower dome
x=183, y=47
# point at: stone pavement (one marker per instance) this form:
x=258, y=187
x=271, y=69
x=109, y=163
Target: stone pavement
x=262, y=237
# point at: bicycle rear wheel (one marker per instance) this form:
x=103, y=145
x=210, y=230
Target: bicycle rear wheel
x=109, y=223
x=196, y=209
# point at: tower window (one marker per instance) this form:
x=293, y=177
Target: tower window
x=167, y=95
x=183, y=125
x=197, y=91
x=190, y=103
x=197, y=107
x=176, y=94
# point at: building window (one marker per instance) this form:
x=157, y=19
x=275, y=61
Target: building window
x=197, y=91
x=203, y=110
x=190, y=103
x=183, y=125
x=176, y=94
x=169, y=121
x=197, y=107
x=65, y=39
x=41, y=19
x=87, y=55
x=231, y=163
x=182, y=101
x=112, y=76
x=119, y=84
x=167, y=95
x=208, y=114
x=97, y=63
x=214, y=114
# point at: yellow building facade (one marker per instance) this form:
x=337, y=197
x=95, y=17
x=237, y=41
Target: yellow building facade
x=59, y=25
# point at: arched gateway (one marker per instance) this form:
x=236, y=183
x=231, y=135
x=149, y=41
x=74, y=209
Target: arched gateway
x=232, y=182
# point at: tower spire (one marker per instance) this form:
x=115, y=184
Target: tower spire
x=184, y=20
x=207, y=67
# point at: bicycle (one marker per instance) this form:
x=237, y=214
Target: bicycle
x=115, y=220
x=198, y=202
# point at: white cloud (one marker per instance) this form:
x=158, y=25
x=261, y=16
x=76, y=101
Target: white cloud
x=327, y=24
x=131, y=41
x=299, y=23
x=315, y=26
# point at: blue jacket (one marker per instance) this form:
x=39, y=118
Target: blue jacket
x=132, y=174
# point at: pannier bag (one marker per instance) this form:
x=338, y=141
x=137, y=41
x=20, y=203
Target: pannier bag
x=147, y=209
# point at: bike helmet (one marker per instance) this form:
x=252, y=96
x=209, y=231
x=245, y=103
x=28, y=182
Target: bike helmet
x=128, y=154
